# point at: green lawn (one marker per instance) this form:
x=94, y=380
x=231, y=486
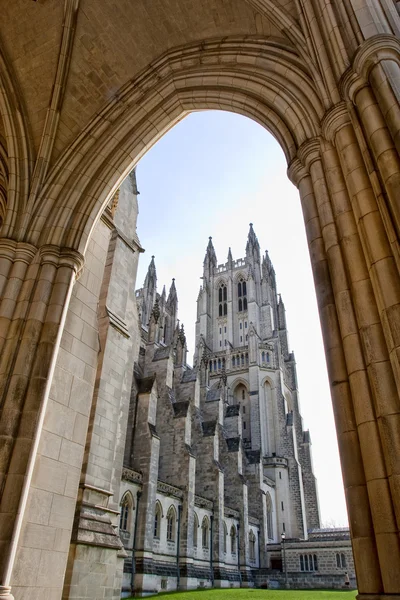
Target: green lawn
x=251, y=594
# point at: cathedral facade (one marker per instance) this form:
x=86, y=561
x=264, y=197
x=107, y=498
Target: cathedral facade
x=217, y=478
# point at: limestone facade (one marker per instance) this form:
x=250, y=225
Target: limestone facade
x=86, y=87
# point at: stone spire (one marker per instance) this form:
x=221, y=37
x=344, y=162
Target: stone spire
x=149, y=292
x=172, y=301
x=252, y=246
x=210, y=260
x=151, y=275
x=230, y=259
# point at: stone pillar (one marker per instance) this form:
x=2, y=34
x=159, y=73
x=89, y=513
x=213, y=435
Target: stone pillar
x=365, y=552
x=37, y=286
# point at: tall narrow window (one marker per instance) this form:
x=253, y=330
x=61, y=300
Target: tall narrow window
x=205, y=533
x=171, y=520
x=252, y=546
x=157, y=520
x=233, y=539
x=269, y=517
x=126, y=508
x=222, y=300
x=242, y=295
x=195, y=528
x=225, y=536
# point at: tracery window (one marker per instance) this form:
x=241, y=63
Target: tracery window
x=205, y=528
x=222, y=300
x=126, y=508
x=171, y=521
x=242, y=295
x=157, y=520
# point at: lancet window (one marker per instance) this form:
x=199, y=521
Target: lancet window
x=242, y=295
x=222, y=300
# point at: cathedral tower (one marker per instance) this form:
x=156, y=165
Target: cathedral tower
x=241, y=323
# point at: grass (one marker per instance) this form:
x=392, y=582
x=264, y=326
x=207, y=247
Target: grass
x=252, y=594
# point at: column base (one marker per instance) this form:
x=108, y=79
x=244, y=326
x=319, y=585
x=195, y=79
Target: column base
x=378, y=597
x=5, y=593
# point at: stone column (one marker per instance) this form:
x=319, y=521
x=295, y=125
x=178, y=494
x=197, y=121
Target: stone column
x=364, y=409
x=365, y=552
x=37, y=286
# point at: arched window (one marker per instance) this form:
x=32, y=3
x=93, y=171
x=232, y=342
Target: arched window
x=126, y=511
x=219, y=363
x=263, y=357
x=233, y=361
x=242, y=295
x=157, y=520
x=252, y=545
x=267, y=357
x=171, y=521
x=269, y=517
x=242, y=359
x=225, y=537
x=222, y=300
x=195, y=528
x=205, y=528
x=243, y=395
x=233, y=539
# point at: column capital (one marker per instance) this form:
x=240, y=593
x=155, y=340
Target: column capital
x=309, y=152
x=334, y=119
x=14, y=250
x=296, y=172
x=62, y=257
x=374, y=50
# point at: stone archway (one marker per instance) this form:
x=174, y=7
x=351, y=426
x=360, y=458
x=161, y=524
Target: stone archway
x=330, y=100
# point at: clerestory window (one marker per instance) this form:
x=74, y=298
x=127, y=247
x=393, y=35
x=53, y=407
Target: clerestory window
x=242, y=295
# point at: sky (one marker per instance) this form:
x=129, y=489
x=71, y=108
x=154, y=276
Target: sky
x=211, y=175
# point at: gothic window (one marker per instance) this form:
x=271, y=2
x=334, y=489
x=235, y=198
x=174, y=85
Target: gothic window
x=195, y=528
x=308, y=562
x=263, y=357
x=205, y=528
x=245, y=324
x=269, y=517
x=240, y=325
x=267, y=356
x=244, y=424
x=242, y=357
x=244, y=410
x=222, y=300
x=126, y=509
x=157, y=520
x=219, y=363
x=341, y=560
x=233, y=361
x=225, y=536
x=243, y=395
x=247, y=359
x=252, y=546
x=233, y=539
x=242, y=295
x=224, y=329
x=210, y=365
x=171, y=521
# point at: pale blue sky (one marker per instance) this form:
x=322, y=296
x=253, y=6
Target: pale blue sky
x=213, y=174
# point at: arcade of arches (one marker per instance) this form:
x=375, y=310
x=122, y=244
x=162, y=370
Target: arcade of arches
x=86, y=87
